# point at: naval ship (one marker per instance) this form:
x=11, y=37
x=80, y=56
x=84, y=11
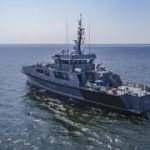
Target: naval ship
x=75, y=76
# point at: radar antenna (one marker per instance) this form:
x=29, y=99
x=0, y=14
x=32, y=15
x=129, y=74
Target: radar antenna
x=80, y=37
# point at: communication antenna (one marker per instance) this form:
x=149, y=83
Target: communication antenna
x=89, y=37
x=67, y=44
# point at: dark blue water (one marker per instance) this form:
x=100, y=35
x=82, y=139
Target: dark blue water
x=27, y=123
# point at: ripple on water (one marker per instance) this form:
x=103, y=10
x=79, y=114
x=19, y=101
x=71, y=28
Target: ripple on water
x=32, y=121
x=110, y=132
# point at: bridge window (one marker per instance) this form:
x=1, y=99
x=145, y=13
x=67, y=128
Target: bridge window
x=80, y=61
x=65, y=61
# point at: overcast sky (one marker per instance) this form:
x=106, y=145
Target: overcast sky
x=44, y=21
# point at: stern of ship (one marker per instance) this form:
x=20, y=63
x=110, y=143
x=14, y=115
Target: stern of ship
x=138, y=105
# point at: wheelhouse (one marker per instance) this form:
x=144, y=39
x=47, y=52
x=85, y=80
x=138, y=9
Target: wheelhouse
x=72, y=61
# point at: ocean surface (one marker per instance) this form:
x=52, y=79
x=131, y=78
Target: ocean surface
x=27, y=123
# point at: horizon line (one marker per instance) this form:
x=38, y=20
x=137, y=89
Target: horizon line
x=73, y=44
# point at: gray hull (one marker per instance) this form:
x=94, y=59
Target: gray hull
x=127, y=105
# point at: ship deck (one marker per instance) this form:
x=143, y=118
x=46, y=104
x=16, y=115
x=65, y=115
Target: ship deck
x=122, y=90
x=136, y=91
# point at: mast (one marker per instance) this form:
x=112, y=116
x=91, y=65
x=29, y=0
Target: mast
x=80, y=37
x=67, y=47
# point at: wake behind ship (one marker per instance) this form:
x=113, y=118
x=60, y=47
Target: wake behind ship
x=75, y=75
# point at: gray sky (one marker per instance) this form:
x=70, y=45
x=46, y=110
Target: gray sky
x=44, y=21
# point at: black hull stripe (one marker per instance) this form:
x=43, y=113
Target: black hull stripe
x=104, y=98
